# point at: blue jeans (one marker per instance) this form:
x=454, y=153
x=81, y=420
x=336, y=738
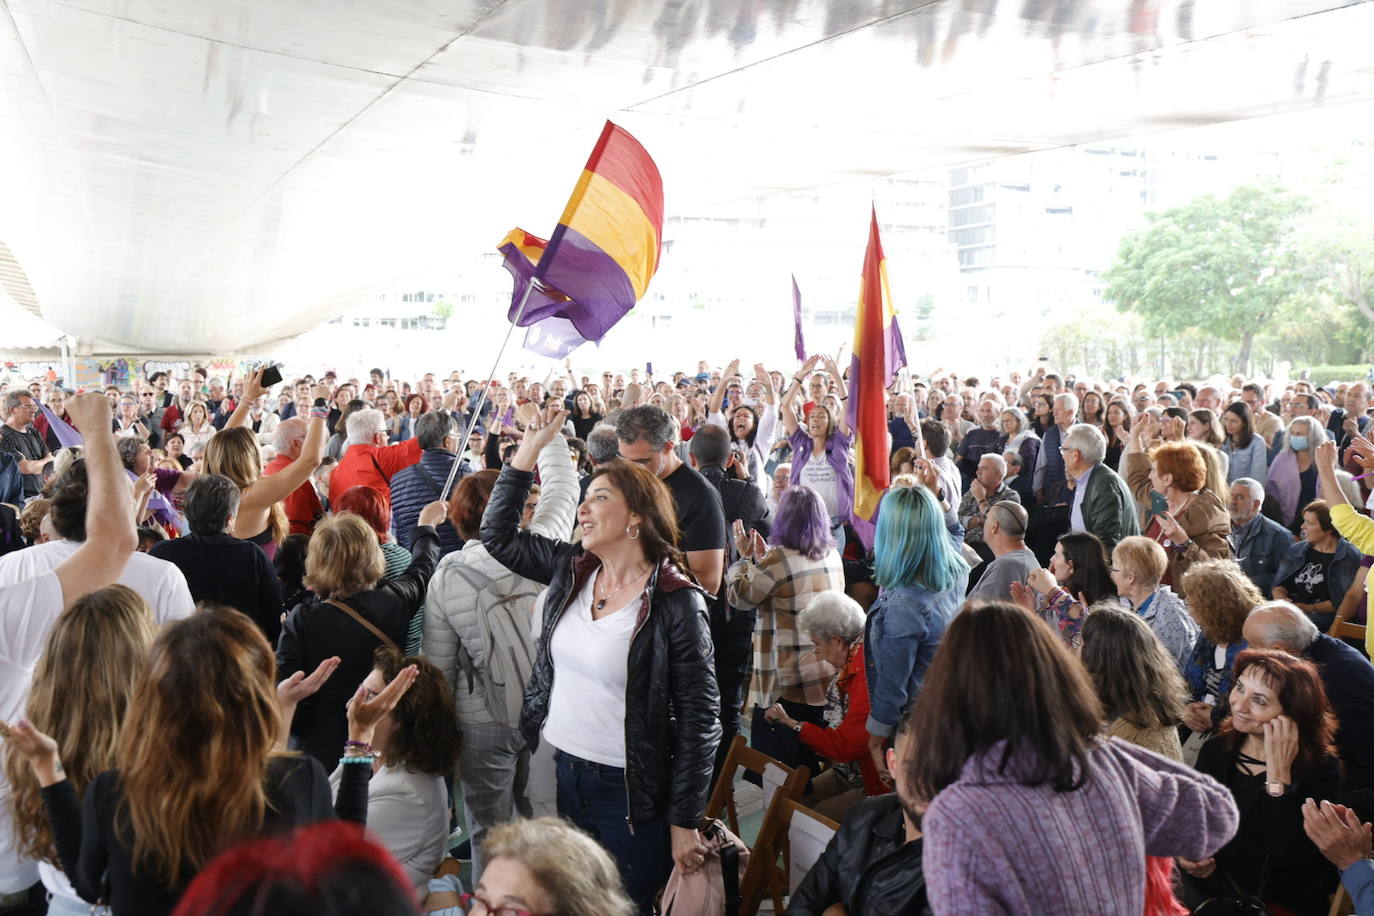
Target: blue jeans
x=592, y=796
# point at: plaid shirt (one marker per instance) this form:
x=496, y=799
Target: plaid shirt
x=780, y=585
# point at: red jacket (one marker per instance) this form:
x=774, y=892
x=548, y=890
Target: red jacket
x=848, y=742
x=303, y=506
x=372, y=466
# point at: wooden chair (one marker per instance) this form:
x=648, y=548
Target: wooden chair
x=743, y=757
x=1344, y=629
x=762, y=876
x=808, y=832
x=1341, y=904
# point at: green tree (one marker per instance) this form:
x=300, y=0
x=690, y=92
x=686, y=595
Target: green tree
x=1221, y=266
x=443, y=309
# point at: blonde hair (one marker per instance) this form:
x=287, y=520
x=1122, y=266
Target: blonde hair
x=105, y=636
x=579, y=877
x=344, y=557
x=1220, y=597
x=234, y=453
x=1141, y=557
x=202, y=724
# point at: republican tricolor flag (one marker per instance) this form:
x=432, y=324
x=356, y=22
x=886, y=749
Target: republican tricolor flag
x=601, y=256
x=878, y=356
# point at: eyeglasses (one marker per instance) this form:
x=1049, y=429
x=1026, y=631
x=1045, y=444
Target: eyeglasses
x=476, y=906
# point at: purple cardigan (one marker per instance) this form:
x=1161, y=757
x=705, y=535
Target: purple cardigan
x=993, y=845
x=837, y=453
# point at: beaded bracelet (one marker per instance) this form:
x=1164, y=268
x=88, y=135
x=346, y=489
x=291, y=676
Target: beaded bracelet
x=367, y=760
x=319, y=413
x=362, y=744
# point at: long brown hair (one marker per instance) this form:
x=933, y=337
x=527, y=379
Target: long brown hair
x=649, y=498
x=1300, y=692
x=193, y=753
x=105, y=636
x=234, y=454
x=1001, y=674
x=1135, y=676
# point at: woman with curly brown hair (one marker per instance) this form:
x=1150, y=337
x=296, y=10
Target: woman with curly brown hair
x=416, y=746
x=1220, y=597
x=106, y=636
x=1274, y=750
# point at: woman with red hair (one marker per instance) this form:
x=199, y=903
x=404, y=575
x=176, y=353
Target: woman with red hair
x=372, y=507
x=327, y=869
x=1169, y=483
x=1274, y=750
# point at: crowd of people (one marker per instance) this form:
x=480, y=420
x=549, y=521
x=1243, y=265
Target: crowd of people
x=1100, y=656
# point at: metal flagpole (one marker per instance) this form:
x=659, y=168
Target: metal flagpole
x=482, y=398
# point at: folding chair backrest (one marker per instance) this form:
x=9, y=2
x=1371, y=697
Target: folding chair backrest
x=808, y=833
x=743, y=757
x=765, y=877
x=1348, y=630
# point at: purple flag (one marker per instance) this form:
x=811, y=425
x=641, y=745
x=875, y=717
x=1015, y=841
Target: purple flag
x=67, y=436
x=796, y=319
x=553, y=337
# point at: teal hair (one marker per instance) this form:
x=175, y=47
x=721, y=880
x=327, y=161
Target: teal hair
x=912, y=545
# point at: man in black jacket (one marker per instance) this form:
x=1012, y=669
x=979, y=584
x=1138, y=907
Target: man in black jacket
x=732, y=629
x=872, y=864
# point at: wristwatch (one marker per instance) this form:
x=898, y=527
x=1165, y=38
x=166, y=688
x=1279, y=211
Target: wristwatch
x=1275, y=788
x=796, y=726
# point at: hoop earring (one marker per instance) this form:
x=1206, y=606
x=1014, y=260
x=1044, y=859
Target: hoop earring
x=633, y=537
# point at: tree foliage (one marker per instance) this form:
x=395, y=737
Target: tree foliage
x=1220, y=266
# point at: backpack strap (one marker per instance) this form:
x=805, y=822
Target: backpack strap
x=366, y=624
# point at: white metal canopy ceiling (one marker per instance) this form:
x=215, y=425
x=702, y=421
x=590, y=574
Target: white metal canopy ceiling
x=203, y=176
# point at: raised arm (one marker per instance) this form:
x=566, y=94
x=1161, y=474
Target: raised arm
x=274, y=488
x=770, y=397
x=718, y=396
x=110, y=535
x=252, y=390
x=835, y=373
x=524, y=553
x=1326, y=473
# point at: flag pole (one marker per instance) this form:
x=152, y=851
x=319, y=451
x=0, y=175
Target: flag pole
x=482, y=398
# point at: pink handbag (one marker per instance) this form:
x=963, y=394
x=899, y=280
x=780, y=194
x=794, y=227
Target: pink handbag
x=713, y=889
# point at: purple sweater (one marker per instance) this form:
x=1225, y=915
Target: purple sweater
x=993, y=845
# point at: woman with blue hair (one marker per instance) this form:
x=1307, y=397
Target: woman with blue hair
x=921, y=579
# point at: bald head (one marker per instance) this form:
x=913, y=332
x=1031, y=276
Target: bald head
x=1279, y=625
x=1208, y=396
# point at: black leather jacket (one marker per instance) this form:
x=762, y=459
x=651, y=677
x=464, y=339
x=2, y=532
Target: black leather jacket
x=868, y=866
x=671, y=699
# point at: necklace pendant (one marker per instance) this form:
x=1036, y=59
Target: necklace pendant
x=601, y=605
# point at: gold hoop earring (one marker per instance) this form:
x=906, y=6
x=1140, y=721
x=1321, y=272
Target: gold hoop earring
x=633, y=537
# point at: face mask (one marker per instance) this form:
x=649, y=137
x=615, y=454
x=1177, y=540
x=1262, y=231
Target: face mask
x=1299, y=443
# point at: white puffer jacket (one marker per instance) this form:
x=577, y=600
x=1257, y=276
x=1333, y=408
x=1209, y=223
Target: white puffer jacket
x=452, y=605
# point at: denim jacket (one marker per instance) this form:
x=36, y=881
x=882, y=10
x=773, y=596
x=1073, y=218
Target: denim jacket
x=903, y=631
x=1344, y=565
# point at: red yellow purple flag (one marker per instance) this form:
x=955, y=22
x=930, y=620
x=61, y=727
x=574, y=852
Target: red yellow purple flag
x=877, y=357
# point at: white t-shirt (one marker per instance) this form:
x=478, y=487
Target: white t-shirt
x=27, y=612
x=160, y=583
x=820, y=476
x=408, y=814
x=591, y=666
